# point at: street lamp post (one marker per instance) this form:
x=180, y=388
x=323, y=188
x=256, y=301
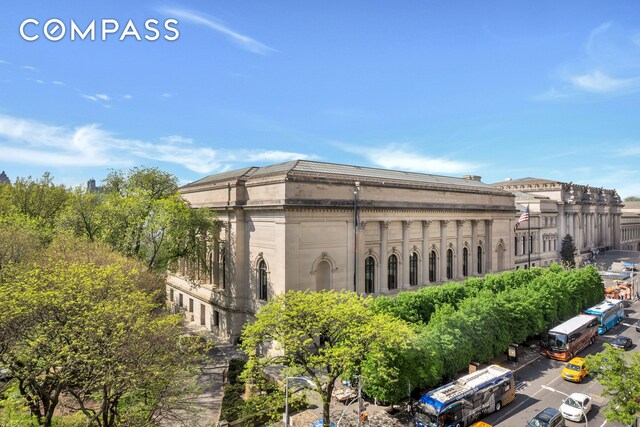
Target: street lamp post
x=286, y=396
x=356, y=194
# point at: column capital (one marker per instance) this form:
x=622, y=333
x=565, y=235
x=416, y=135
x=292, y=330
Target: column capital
x=460, y=222
x=444, y=222
x=384, y=224
x=426, y=223
x=406, y=223
x=363, y=225
x=489, y=221
x=474, y=222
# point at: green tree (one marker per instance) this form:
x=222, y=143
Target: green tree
x=632, y=199
x=322, y=335
x=96, y=332
x=39, y=198
x=567, y=251
x=144, y=216
x=619, y=374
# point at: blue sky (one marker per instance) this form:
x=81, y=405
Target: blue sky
x=495, y=88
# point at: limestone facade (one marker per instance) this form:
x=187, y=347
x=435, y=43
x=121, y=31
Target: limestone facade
x=592, y=216
x=630, y=223
x=293, y=226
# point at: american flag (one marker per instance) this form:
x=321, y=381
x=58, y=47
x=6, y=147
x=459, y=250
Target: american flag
x=524, y=217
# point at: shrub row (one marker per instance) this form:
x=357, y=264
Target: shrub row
x=477, y=320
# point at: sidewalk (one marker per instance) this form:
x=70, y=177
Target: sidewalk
x=212, y=377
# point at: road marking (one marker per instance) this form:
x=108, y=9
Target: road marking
x=521, y=385
x=508, y=413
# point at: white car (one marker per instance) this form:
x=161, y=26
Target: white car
x=576, y=407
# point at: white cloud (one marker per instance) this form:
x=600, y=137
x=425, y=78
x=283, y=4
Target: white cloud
x=29, y=67
x=166, y=95
x=593, y=35
x=4, y=62
x=599, y=82
x=39, y=82
x=127, y=96
x=551, y=94
x=103, y=97
x=404, y=157
x=31, y=142
x=241, y=40
x=58, y=83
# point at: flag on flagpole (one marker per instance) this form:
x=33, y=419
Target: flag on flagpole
x=524, y=217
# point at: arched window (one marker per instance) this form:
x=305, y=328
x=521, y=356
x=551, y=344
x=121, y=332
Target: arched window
x=480, y=270
x=369, y=275
x=413, y=269
x=262, y=280
x=323, y=276
x=465, y=262
x=501, y=251
x=432, y=266
x=524, y=245
x=393, y=272
x=449, y=264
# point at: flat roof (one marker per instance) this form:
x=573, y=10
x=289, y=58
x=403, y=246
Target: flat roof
x=572, y=324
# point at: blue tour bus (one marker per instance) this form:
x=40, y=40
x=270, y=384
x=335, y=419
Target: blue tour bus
x=467, y=399
x=610, y=312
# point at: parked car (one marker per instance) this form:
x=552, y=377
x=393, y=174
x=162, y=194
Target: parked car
x=638, y=327
x=622, y=342
x=576, y=407
x=575, y=370
x=549, y=417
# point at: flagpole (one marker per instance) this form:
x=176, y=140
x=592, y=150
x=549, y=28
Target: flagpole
x=530, y=241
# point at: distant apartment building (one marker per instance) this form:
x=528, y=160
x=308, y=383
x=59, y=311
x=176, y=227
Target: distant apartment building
x=4, y=179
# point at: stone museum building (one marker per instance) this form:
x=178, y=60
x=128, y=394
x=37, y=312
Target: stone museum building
x=311, y=225
x=306, y=225
x=592, y=216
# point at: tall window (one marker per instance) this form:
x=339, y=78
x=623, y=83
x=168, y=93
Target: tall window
x=262, y=280
x=413, y=269
x=393, y=272
x=480, y=260
x=465, y=262
x=524, y=245
x=432, y=266
x=369, y=275
x=223, y=267
x=449, y=264
x=515, y=245
x=530, y=244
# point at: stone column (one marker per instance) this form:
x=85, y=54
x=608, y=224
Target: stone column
x=443, y=250
x=474, y=247
x=425, y=251
x=406, y=228
x=459, y=245
x=562, y=222
x=384, y=260
x=488, y=226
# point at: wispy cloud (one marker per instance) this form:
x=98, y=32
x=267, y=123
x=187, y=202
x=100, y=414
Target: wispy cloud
x=31, y=142
x=58, y=83
x=243, y=41
x=29, y=67
x=608, y=64
x=4, y=62
x=127, y=96
x=599, y=82
x=404, y=157
x=103, y=97
x=166, y=95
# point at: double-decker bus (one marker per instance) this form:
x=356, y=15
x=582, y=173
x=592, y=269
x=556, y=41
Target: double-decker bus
x=609, y=312
x=569, y=338
x=467, y=399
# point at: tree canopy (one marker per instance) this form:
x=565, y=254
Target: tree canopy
x=619, y=374
x=323, y=336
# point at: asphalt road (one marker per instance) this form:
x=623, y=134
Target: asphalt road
x=532, y=398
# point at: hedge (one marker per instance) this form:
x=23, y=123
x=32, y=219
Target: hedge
x=476, y=320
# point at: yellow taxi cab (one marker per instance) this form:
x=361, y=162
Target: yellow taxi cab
x=575, y=370
x=480, y=424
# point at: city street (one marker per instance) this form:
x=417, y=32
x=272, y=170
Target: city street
x=532, y=398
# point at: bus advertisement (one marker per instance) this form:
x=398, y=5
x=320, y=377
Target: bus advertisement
x=467, y=399
x=569, y=338
x=609, y=312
